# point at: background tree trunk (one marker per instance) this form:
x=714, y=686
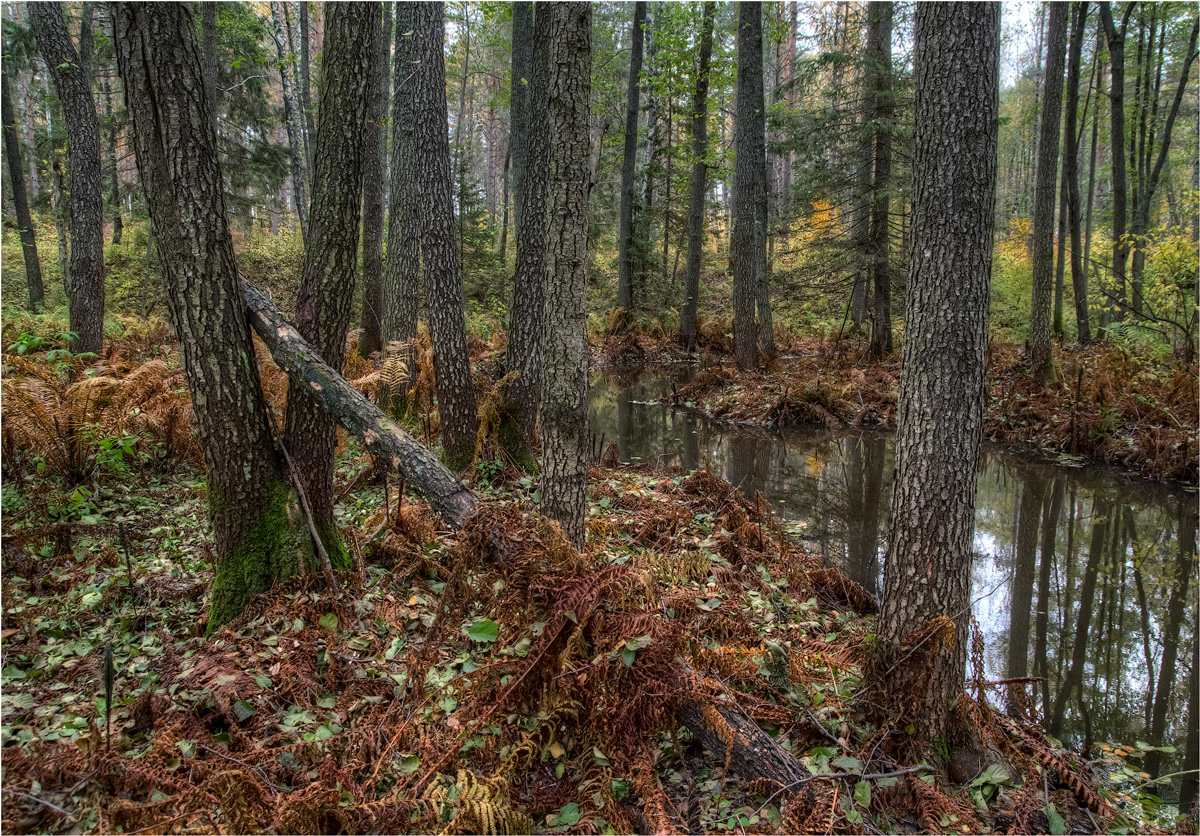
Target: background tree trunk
x=114, y=197
x=566, y=457
x=85, y=289
x=625, y=223
x=374, y=181
x=256, y=542
x=879, y=64
x=348, y=77
x=403, y=269
x=1021, y=602
x=757, y=146
x=1041, y=364
x=529, y=278
x=1071, y=176
x=699, y=189
x=940, y=420
x=16, y=177
x=520, y=102
x=305, y=83
x=291, y=118
x=1116, y=52
x=748, y=143
x=439, y=250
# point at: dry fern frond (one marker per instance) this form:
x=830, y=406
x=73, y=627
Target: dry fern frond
x=476, y=805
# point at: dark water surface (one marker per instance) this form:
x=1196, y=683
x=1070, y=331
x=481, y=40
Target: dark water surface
x=1092, y=574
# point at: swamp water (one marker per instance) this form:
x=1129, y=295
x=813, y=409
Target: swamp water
x=1083, y=576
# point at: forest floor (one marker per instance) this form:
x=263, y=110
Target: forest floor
x=490, y=681
x=1109, y=405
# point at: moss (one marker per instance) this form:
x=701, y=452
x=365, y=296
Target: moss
x=275, y=545
x=460, y=458
x=331, y=538
x=512, y=441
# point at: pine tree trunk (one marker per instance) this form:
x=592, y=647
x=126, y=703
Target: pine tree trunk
x=564, y=410
x=114, y=197
x=940, y=419
x=375, y=137
x=521, y=101
x=625, y=222
x=435, y=202
x=1021, y=602
x=749, y=145
x=1071, y=178
x=879, y=50
x=25, y=93
x=59, y=206
x=305, y=84
x=1053, y=508
x=258, y=540
x=291, y=118
x=16, y=178
x=208, y=17
x=1041, y=364
x=86, y=283
x=348, y=78
x=529, y=278
x=699, y=186
x=402, y=278
x=1116, y=51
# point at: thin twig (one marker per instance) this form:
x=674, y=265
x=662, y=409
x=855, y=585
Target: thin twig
x=308, y=514
x=41, y=801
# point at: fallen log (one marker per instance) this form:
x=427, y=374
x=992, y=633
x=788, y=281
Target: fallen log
x=751, y=752
x=390, y=445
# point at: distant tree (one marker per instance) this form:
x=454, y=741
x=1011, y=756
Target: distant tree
x=520, y=100
x=1041, y=364
x=1071, y=176
x=439, y=244
x=940, y=420
x=566, y=457
x=16, y=177
x=879, y=73
x=699, y=187
x=374, y=184
x=85, y=288
x=749, y=195
x=401, y=283
x=292, y=119
x=632, y=105
x=1120, y=195
x=348, y=76
x=258, y=539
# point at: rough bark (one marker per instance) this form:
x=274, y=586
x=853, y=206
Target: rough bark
x=749, y=143
x=522, y=78
x=1041, y=364
x=16, y=178
x=374, y=182
x=754, y=753
x=402, y=278
x=699, y=185
x=305, y=83
x=529, y=278
x=291, y=118
x=114, y=187
x=629, y=162
x=208, y=19
x=256, y=536
x=757, y=145
x=415, y=463
x=1071, y=176
x=1120, y=199
x=879, y=65
x=435, y=202
x=85, y=289
x=564, y=406
x=940, y=419
x=331, y=253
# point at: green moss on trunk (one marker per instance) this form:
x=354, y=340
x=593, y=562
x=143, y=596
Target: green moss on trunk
x=331, y=538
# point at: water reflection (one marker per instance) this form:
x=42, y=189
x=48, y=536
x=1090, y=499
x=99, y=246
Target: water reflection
x=1094, y=574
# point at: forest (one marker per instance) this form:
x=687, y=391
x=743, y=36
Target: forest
x=600, y=417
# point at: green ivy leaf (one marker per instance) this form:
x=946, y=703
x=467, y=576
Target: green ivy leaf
x=484, y=630
x=329, y=621
x=243, y=710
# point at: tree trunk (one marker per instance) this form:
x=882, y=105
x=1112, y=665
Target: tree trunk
x=305, y=78
x=564, y=409
x=86, y=284
x=25, y=93
x=625, y=222
x=348, y=78
x=1053, y=508
x=16, y=177
x=374, y=181
x=114, y=196
x=403, y=269
x=1116, y=50
x=749, y=146
x=1021, y=602
x=1071, y=176
x=879, y=58
x=59, y=205
x=940, y=420
x=1060, y=254
x=208, y=17
x=529, y=277
x=435, y=202
x=86, y=43
x=1191, y=753
x=257, y=541
x=1041, y=363
x=699, y=186
x=291, y=118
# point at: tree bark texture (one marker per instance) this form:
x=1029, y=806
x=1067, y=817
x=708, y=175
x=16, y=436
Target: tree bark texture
x=208, y=18
x=114, y=183
x=374, y=182
x=258, y=536
x=331, y=254
x=564, y=408
x=1071, y=176
x=629, y=162
x=1120, y=198
x=757, y=145
x=16, y=177
x=520, y=102
x=529, y=278
x=439, y=250
x=291, y=118
x=940, y=419
x=402, y=277
x=699, y=189
x=305, y=83
x=748, y=143
x=1041, y=364
x=85, y=288
x=879, y=69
